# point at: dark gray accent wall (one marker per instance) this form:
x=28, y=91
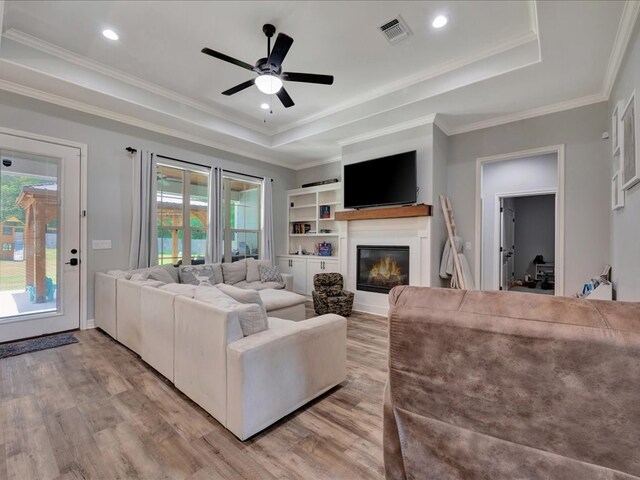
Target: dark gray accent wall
x=109, y=171
x=534, y=232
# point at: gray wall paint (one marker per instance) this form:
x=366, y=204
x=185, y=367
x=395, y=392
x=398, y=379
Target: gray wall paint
x=418, y=138
x=509, y=176
x=534, y=232
x=587, y=180
x=318, y=173
x=625, y=223
x=439, y=233
x=109, y=171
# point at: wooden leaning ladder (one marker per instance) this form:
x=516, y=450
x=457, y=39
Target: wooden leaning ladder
x=458, y=280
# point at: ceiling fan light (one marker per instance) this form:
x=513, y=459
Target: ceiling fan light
x=268, y=84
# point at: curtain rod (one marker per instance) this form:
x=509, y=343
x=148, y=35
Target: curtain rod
x=133, y=150
x=245, y=174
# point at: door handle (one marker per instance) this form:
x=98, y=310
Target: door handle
x=73, y=262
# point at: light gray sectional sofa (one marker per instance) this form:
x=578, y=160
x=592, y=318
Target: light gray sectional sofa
x=246, y=382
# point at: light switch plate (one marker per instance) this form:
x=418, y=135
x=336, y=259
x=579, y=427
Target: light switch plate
x=101, y=244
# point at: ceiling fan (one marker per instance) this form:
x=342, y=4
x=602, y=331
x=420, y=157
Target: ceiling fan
x=269, y=69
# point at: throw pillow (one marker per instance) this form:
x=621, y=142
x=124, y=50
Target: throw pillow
x=160, y=274
x=270, y=274
x=234, y=272
x=120, y=274
x=243, y=295
x=190, y=273
x=252, y=317
x=173, y=271
x=253, y=272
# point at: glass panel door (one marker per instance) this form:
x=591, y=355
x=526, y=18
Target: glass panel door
x=39, y=238
x=29, y=218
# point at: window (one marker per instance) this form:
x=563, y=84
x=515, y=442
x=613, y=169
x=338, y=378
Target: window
x=182, y=226
x=242, y=200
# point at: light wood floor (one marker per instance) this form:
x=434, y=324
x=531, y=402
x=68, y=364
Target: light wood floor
x=95, y=410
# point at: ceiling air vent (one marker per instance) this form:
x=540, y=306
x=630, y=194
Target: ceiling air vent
x=395, y=30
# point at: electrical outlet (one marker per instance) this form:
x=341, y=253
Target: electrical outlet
x=101, y=244
x=467, y=246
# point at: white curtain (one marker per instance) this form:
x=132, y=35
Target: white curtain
x=268, y=252
x=144, y=241
x=214, y=237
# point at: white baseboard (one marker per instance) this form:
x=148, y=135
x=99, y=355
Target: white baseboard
x=374, y=309
x=91, y=323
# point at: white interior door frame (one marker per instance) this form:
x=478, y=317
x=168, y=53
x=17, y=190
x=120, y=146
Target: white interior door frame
x=82, y=147
x=497, y=221
x=559, y=220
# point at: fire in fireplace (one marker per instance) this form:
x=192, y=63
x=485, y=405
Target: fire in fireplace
x=382, y=267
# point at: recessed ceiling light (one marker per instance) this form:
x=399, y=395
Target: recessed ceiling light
x=264, y=106
x=110, y=34
x=440, y=21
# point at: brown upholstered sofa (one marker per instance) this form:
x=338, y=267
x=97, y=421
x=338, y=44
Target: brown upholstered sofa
x=501, y=385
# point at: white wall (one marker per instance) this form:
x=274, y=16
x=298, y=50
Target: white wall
x=625, y=223
x=587, y=180
x=109, y=171
x=534, y=231
x=510, y=176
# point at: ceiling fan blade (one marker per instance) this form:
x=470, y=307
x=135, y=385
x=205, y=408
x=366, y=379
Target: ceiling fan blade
x=280, y=49
x=226, y=58
x=238, y=88
x=308, y=78
x=285, y=98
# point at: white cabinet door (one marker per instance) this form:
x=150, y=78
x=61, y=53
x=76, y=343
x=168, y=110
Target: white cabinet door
x=319, y=266
x=298, y=268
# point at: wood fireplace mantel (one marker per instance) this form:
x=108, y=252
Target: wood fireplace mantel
x=421, y=210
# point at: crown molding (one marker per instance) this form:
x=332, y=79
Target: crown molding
x=526, y=114
x=419, y=77
x=128, y=120
x=416, y=122
x=59, y=52
x=623, y=36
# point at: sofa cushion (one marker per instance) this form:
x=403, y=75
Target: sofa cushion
x=277, y=299
x=280, y=323
x=253, y=272
x=234, y=272
x=190, y=273
x=252, y=316
x=260, y=285
x=147, y=282
x=185, y=289
x=270, y=273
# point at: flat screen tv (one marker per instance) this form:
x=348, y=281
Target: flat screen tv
x=388, y=180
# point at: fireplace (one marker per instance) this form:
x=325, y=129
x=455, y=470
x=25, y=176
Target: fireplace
x=382, y=267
